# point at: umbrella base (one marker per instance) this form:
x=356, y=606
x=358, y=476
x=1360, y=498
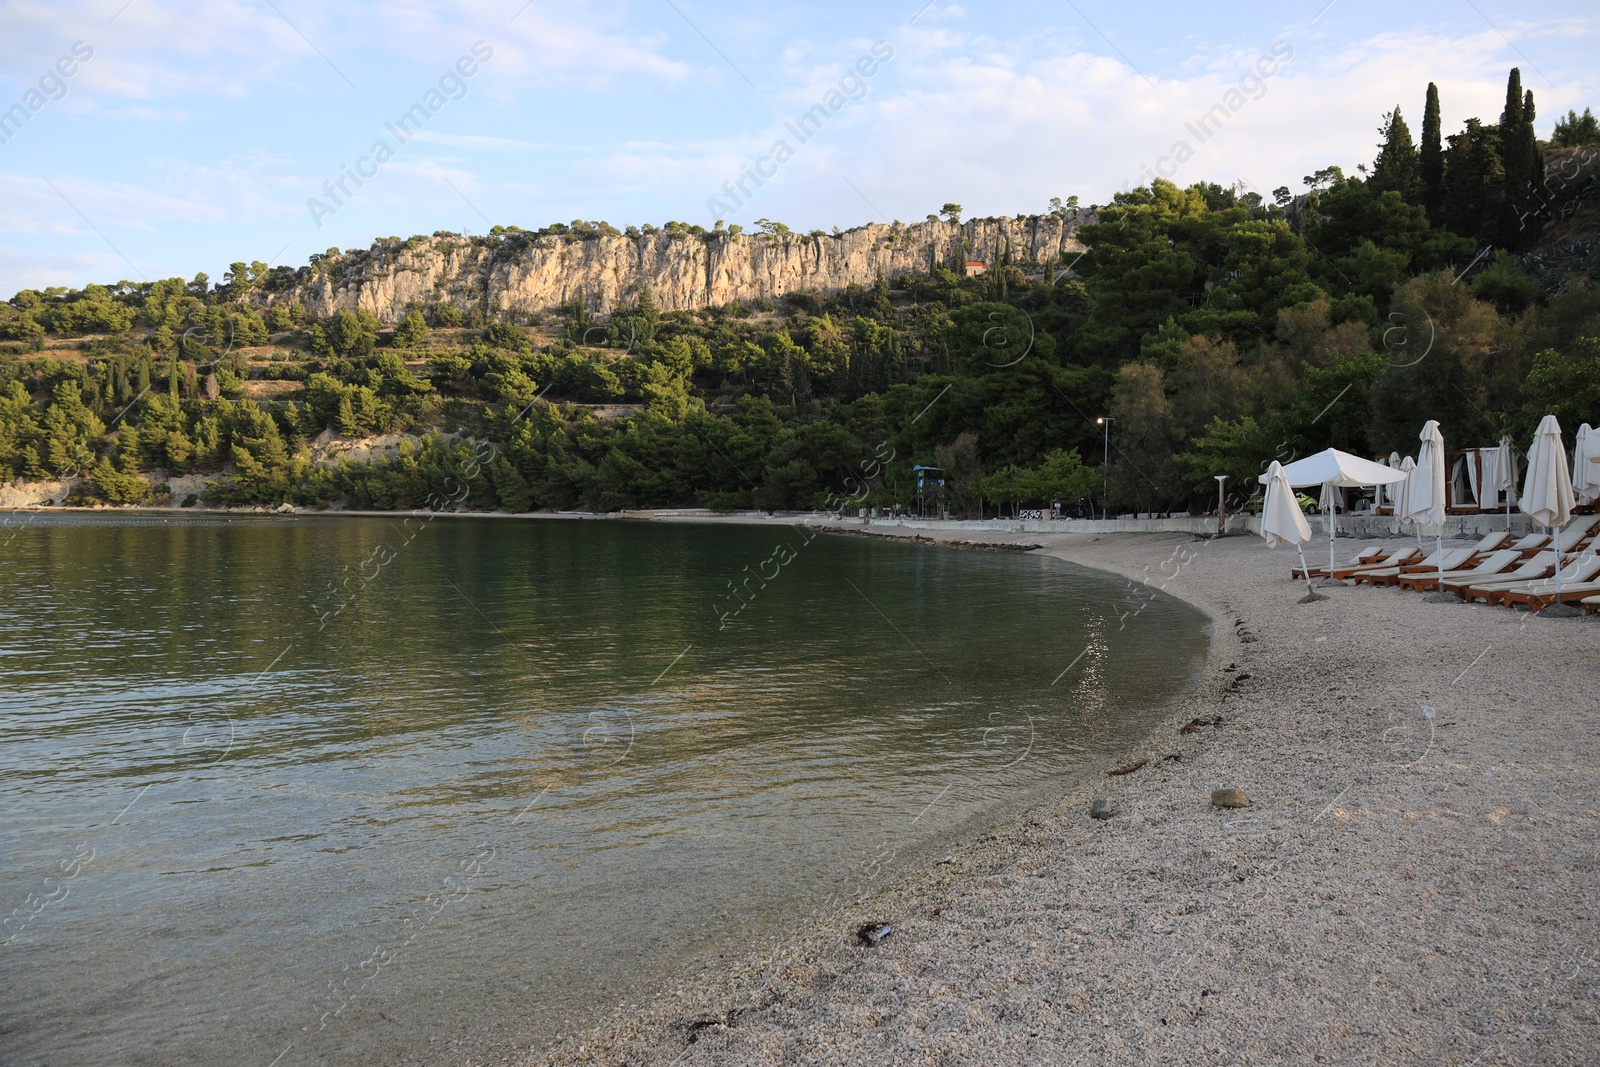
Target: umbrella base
x=1311, y=598
x=1443, y=598
x=1331, y=581
x=1559, y=611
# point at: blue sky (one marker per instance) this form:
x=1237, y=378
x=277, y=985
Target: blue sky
x=198, y=130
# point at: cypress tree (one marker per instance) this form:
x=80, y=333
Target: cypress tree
x=1531, y=147
x=1514, y=156
x=1398, y=166
x=1431, y=158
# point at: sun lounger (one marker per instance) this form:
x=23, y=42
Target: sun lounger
x=1448, y=560
x=1591, y=604
x=1576, y=535
x=1492, y=542
x=1532, y=543
x=1538, y=600
x=1365, y=556
x=1497, y=563
x=1583, y=569
x=1541, y=566
x=1394, y=559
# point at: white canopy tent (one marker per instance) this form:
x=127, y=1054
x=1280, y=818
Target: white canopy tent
x=1333, y=469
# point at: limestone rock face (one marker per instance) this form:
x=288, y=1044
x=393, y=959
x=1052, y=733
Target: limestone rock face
x=521, y=274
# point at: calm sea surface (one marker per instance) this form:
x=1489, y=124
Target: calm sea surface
x=307, y=790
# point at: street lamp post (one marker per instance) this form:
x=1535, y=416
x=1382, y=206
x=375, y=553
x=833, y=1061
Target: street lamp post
x=1222, y=505
x=1105, y=464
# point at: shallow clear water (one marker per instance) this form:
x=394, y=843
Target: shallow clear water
x=344, y=790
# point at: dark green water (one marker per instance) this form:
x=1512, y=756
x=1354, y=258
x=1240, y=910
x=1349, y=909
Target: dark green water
x=305, y=790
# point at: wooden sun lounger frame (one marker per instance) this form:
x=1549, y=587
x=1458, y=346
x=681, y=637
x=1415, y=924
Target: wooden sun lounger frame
x=1430, y=579
x=1366, y=556
x=1542, y=600
x=1392, y=575
x=1400, y=557
x=1464, y=587
x=1509, y=593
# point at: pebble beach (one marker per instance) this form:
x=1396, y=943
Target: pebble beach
x=1411, y=882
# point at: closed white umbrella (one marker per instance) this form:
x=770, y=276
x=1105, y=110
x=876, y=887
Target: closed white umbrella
x=1282, y=521
x=1425, y=489
x=1586, y=475
x=1408, y=467
x=1547, y=494
x=1391, y=493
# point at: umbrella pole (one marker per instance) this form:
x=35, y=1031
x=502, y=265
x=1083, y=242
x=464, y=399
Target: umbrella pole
x=1439, y=558
x=1305, y=571
x=1556, y=541
x=1333, y=534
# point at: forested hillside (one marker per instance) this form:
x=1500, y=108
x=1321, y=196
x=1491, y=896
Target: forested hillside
x=1453, y=279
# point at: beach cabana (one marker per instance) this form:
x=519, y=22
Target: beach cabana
x=1505, y=474
x=1332, y=469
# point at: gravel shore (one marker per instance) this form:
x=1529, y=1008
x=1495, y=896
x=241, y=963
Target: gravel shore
x=1411, y=883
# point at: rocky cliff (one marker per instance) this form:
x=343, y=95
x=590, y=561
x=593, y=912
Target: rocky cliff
x=510, y=276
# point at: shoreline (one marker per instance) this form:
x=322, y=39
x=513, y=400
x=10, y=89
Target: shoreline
x=1358, y=910
x=657, y=1025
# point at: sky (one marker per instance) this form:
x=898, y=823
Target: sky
x=160, y=139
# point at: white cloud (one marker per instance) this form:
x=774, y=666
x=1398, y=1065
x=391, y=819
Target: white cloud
x=148, y=114
x=23, y=268
x=471, y=140
x=231, y=48
x=572, y=44
x=84, y=205
x=1004, y=125
x=155, y=50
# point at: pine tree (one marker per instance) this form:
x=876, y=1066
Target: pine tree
x=1398, y=166
x=1471, y=165
x=1576, y=130
x=882, y=307
x=412, y=331
x=1431, y=157
x=346, y=421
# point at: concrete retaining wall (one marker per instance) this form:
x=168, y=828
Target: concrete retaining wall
x=1357, y=526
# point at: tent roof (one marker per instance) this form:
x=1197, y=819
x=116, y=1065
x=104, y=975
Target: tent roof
x=1334, y=467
